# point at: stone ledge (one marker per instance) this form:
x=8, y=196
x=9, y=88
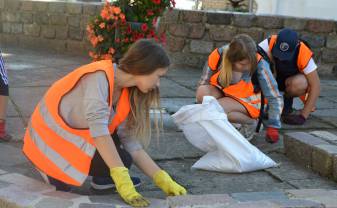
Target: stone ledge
x=317, y=152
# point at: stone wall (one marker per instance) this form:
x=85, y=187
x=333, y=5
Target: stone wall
x=58, y=26
x=192, y=35
x=223, y=5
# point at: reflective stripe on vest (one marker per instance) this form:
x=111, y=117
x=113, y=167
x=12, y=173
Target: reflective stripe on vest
x=54, y=147
x=304, y=54
x=55, y=157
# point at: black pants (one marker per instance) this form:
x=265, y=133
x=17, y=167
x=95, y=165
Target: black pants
x=98, y=168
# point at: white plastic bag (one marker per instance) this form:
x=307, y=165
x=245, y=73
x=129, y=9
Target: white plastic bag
x=206, y=127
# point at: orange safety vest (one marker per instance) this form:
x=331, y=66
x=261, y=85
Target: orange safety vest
x=304, y=54
x=243, y=91
x=54, y=147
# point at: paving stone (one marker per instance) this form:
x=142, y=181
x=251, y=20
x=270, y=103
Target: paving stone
x=11, y=156
x=331, y=120
x=25, y=198
x=325, y=135
x=299, y=147
x=188, y=82
x=201, y=182
x=297, y=203
x=27, y=184
x=329, y=201
x=201, y=200
x=290, y=171
x=166, y=91
x=107, y=199
x=256, y=204
x=325, y=112
x=322, y=159
x=86, y=205
x=307, y=193
x=16, y=127
x=53, y=203
x=172, y=145
x=62, y=195
x=4, y=184
x=259, y=141
x=312, y=183
x=2, y=172
x=259, y=196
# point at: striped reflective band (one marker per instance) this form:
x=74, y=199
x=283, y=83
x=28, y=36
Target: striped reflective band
x=56, y=158
x=76, y=140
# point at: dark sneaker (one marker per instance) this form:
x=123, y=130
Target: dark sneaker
x=102, y=183
x=288, y=106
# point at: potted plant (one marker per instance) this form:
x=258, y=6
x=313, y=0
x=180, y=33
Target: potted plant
x=122, y=22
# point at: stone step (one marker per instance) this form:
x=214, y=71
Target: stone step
x=316, y=150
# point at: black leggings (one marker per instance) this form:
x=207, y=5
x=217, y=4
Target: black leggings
x=98, y=168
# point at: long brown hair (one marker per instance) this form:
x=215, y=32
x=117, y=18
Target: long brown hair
x=241, y=47
x=143, y=58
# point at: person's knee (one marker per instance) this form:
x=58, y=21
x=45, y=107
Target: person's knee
x=296, y=86
x=205, y=90
x=200, y=94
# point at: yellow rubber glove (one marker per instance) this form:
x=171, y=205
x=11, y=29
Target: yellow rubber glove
x=167, y=184
x=126, y=189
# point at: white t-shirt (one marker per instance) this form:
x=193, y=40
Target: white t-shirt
x=311, y=66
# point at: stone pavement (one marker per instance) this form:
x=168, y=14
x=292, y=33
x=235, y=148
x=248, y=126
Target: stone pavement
x=290, y=185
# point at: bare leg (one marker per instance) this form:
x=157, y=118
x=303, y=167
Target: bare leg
x=204, y=90
x=235, y=111
x=296, y=85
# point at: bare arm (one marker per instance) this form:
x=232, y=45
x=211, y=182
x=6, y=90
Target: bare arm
x=145, y=163
x=314, y=91
x=108, y=151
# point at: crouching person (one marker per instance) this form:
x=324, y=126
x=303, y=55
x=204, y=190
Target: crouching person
x=229, y=75
x=72, y=132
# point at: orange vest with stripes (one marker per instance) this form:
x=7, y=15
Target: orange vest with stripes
x=55, y=148
x=243, y=91
x=304, y=54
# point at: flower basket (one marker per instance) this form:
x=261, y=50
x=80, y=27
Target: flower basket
x=120, y=23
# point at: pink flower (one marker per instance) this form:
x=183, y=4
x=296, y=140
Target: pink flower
x=144, y=27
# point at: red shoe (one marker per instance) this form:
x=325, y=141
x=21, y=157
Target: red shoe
x=4, y=137
x=272, y=135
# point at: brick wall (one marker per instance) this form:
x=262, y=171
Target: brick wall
x=221, y=5
x=49, y=25
x=192, y=35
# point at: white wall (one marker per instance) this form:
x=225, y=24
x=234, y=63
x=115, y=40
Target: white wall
x=322, y=9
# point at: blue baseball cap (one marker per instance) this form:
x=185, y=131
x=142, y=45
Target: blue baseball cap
x=286, y=44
